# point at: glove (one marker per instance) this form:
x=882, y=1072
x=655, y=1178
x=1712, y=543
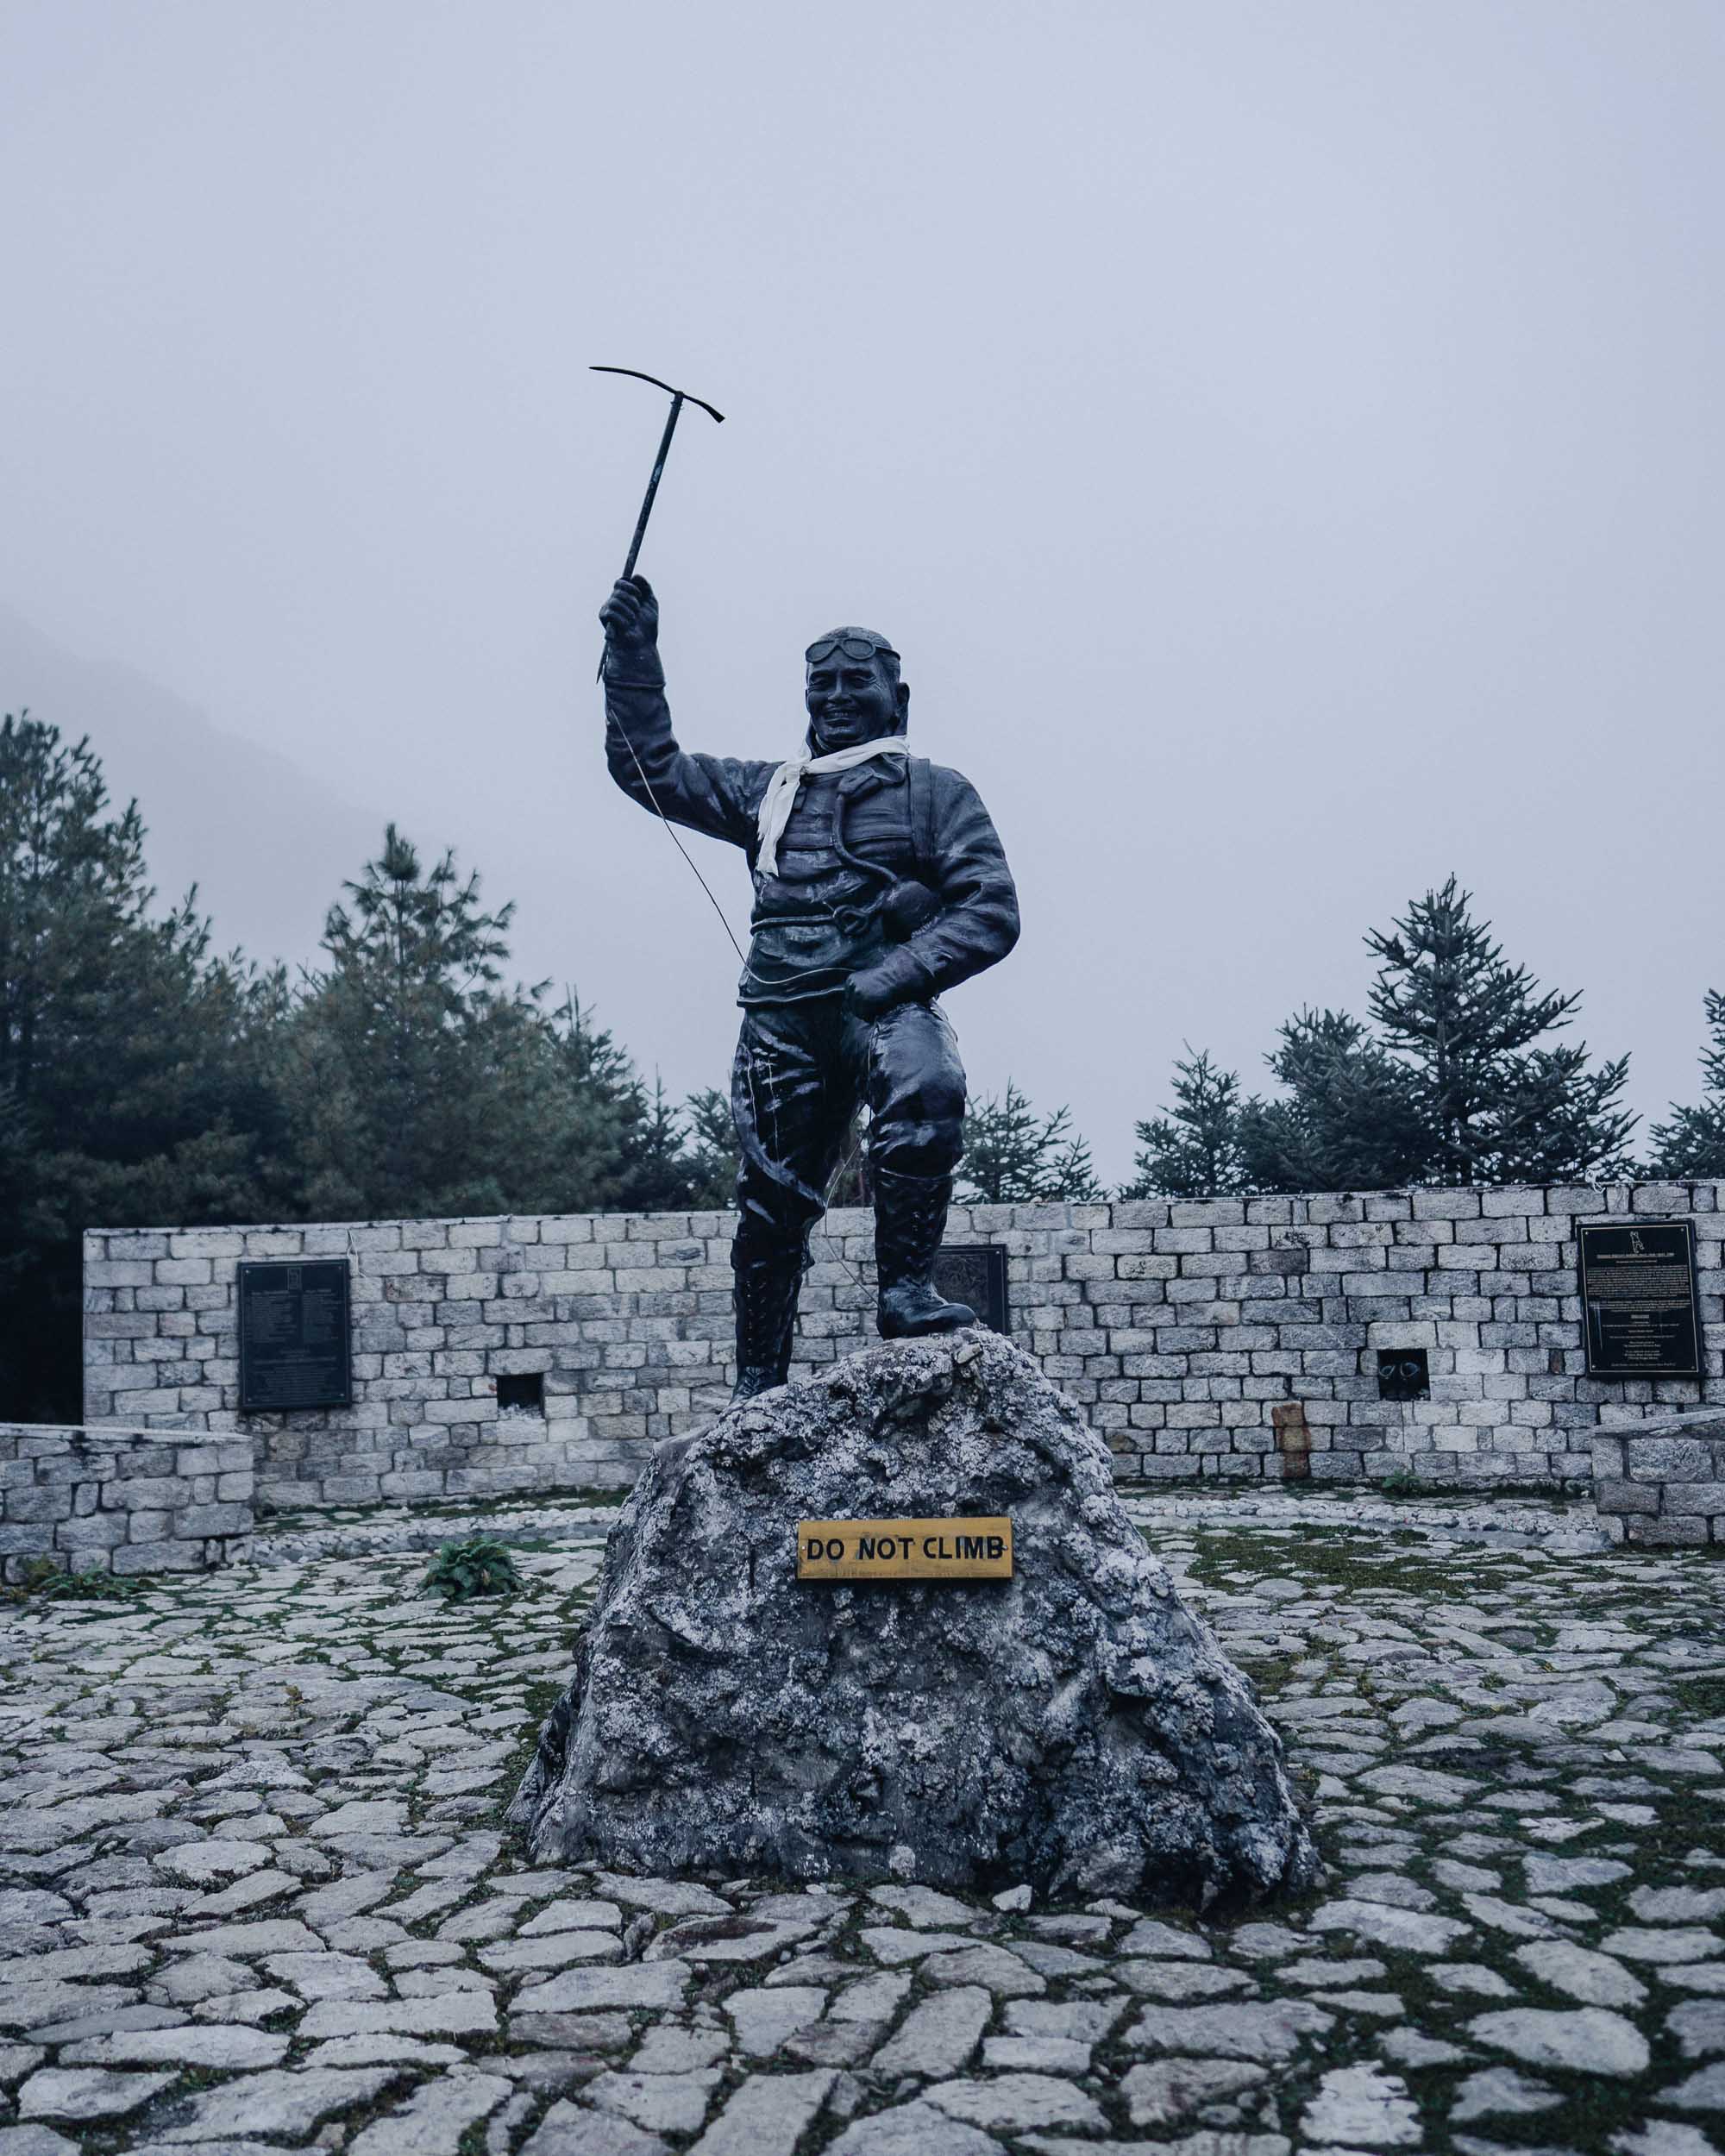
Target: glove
x=631, y=620
x=872, y=993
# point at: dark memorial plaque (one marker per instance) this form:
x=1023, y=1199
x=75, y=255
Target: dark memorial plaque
x=293, y=1337
x=975, y=1273
x=1638, y=1294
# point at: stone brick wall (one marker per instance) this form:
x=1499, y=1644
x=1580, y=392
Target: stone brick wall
x=1182, y=1328
x=121, y=1501
x=1665, y=1486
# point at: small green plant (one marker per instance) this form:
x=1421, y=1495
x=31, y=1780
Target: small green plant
x=43, y=1579
x=476, y=1566
x=89, y=1587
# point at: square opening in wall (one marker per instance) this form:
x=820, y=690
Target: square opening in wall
x=1402, y=1374
x=521, y=1395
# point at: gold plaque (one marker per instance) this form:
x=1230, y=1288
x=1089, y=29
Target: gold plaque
x=904, y=1549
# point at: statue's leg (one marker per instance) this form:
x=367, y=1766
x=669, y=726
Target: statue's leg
x=792, y=1107
x=916, y=1096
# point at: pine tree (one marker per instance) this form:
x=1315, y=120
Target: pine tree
x=1349, y=1118
x=1462, y=1021
x=612, y=1145
x=1012, y=1156
x=1693, y=1143
x=399, y=1044
x=1193, y=1149
x=711, y=1148
x=430, y=1088
x=1557, y=1122
x=1071, y=1174
x=136, y=1079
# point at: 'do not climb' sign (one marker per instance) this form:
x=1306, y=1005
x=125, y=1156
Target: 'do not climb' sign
x=863, y=1550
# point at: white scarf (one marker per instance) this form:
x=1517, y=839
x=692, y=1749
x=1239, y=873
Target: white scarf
x=780, y=796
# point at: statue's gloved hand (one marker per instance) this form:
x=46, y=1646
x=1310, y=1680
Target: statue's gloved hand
x=630, y=617
x=875, y=990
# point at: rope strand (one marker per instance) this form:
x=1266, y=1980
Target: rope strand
x=671, y=833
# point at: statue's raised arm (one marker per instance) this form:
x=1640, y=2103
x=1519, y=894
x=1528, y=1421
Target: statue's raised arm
x=715, y=794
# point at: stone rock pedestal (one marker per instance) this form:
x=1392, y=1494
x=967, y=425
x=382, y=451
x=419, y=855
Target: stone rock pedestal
x=1075, y=1728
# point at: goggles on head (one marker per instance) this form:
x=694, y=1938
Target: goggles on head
x=850, y=647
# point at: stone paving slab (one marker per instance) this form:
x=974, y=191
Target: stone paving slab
x=255, y=1894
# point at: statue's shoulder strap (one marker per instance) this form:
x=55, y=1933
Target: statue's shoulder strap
x=920, y=784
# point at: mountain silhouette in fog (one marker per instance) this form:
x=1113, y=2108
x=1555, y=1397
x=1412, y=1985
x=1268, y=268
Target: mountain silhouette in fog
x=268, y=844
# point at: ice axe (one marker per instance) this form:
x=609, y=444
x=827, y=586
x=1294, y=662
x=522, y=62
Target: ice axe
x=679, y=397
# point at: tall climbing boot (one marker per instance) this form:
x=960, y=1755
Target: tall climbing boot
x=768, y=1280
x=910, y=1219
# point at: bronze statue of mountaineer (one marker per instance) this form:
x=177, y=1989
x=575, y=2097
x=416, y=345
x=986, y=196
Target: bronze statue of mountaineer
x=879, y=882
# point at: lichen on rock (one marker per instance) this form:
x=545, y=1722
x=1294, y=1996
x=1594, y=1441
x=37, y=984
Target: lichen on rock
x=1075, y=1728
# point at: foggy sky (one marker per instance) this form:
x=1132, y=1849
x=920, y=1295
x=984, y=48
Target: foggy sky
x=1284, y=443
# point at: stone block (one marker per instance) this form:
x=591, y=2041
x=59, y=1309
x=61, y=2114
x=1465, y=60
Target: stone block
x=350, y=1490
x=37, y=1506
x=158, y=1556
x=1339, y=1465
x=137, y=1493
x=1613, y=1494
x=1447, y=1205
x=329, y=1240
x=1666, y=1533
x=287, y=1495
x=475, y=1235
x=99, y=1530
x=380, y=1239
x=410, y=1483
x=214, y=1520
x=1707, y=1499
x=1518, y=1198
x=1571, y=1199
x=1670, y=1459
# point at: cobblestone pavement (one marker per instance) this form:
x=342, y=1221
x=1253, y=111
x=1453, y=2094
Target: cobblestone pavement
x=256, y=1896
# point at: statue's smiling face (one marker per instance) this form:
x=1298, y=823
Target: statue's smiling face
x=852, y=698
